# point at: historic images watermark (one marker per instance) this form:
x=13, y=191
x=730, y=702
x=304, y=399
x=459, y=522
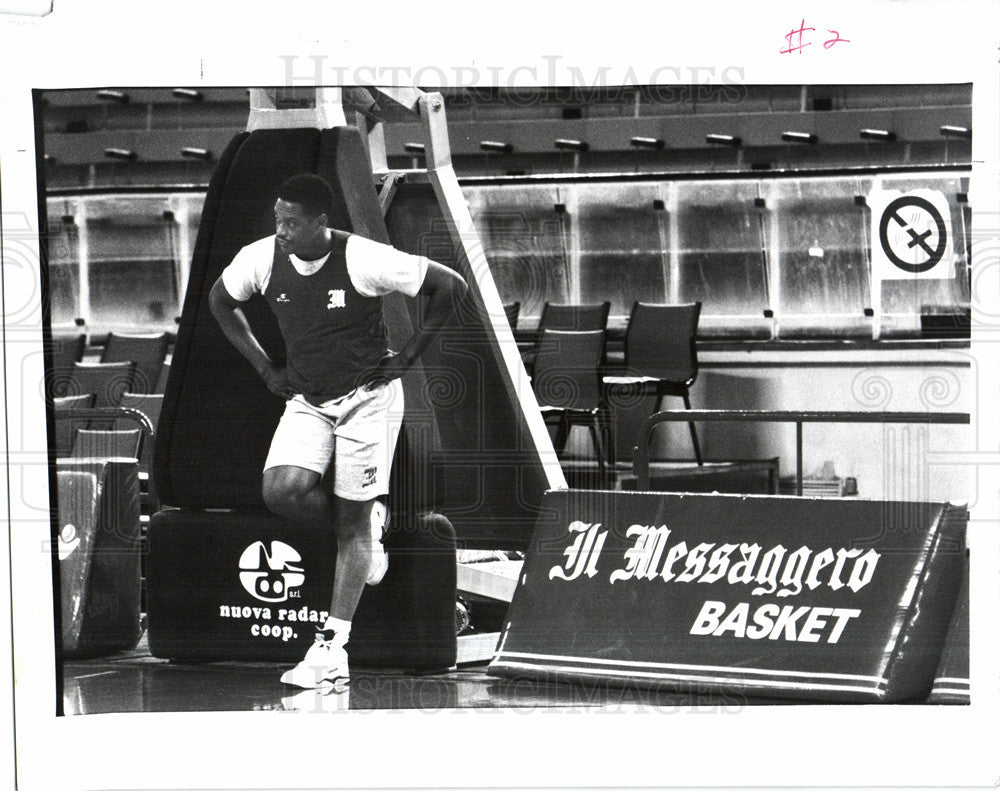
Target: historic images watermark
x=671, y=82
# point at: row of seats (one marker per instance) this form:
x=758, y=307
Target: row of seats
x=77, y=430
x=575, y=385
x=85, y=434
x=130, y=374
x=128, y=363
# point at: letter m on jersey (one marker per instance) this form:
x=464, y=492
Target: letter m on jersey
x=336, y=298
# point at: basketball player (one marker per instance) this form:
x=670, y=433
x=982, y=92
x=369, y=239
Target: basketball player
x=330, y=455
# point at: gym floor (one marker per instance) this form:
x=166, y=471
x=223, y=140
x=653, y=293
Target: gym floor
x=138, y=682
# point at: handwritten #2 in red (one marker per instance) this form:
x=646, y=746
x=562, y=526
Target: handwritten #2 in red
x=801, y=32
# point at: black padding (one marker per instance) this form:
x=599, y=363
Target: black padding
x=410, y=484
x=409, y=618
x=485, y=468
x=217, y=415
x=199, y=608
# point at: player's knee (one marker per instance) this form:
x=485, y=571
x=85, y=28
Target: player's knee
x=283, y=496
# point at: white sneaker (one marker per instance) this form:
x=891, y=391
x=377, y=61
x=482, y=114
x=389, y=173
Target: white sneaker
x=380, y=560
x=324, y=665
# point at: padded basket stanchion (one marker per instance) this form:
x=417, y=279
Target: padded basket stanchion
x=215, y=428
x=253, y=587
x=218, y=417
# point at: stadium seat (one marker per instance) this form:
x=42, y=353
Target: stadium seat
x=107, y=381
x=148, y=352
x=66, y=426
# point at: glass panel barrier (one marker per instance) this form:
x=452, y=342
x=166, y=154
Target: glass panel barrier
x=621, y=246
x=718, y=250
x=132, y=267
x=798, y=246
x=63, y=244
x=819, y=247
x=525, y=241
x=120, y=262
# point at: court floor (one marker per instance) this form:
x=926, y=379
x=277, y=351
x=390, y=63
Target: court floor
x=138, y=682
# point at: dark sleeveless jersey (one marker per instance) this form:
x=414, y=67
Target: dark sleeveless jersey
x=332, y=333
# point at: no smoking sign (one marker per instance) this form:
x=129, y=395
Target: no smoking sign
x=911, y=235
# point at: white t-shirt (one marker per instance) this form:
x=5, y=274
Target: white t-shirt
x=375, y=269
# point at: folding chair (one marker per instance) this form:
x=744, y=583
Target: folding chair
x=660, y=354
x=574, y=318
x=567, y=385
x=578, y=318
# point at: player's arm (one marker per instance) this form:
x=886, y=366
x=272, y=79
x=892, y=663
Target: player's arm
x=228, y=312
x=442, y=288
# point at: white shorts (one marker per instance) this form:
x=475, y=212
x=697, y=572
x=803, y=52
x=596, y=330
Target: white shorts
x=352, y=437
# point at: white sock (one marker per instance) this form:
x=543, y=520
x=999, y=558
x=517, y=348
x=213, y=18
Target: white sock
x=341, y=629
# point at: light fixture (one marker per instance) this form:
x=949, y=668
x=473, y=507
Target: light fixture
x=414, y=148
x=496, y=145
x=196, y=153
x=126, y=154
x=949, y=130
x=564, y=144
x=723, y=140
x=882, y=135
x=646, y=142
x=188, y=93
x=799, y=137
x=113, y=96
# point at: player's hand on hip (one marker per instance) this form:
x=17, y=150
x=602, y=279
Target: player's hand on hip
x=390, y=367
x=276, y=380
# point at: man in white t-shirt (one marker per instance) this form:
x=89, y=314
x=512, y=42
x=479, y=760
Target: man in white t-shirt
x=330, y=455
